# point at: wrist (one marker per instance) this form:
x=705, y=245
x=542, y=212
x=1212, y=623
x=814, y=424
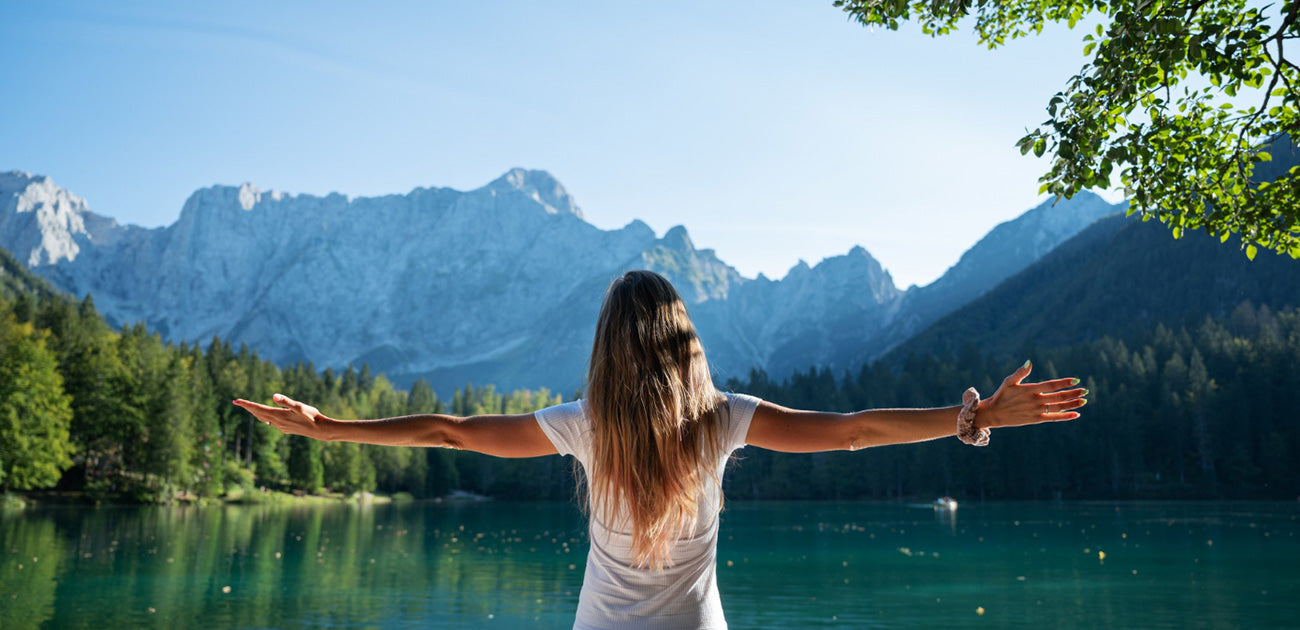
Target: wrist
x=984, y=415
x=967, y=429
x=326, y=429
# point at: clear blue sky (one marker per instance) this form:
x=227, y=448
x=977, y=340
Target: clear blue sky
x=774, y=130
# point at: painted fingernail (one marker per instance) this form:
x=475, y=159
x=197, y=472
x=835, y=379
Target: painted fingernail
x=1085, y=401
x=1073, y=382
x=1085, y=393
x=1025, y=365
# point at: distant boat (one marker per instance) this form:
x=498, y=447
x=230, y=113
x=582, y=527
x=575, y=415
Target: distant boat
x=945, y=503
x=463, y=496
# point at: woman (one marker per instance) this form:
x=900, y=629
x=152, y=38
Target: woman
x=653, y=436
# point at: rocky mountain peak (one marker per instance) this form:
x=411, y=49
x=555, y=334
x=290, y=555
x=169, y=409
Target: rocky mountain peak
x=640, y=229
x=250, y=195
x=43, y=223
x=14, y=181
x=800, y=268
x=540, y=186
x=678, y=238
x=856, y=268
x=245, y=196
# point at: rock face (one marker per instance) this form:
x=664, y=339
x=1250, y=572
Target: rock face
x=44, y=222
x=496, y=285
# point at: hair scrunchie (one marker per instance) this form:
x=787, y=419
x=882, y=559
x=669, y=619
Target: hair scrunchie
x=966, y=431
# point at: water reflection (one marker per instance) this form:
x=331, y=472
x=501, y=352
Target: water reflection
x=791, y=565
x=33, y=553
x=947, y=519
x=251, y=566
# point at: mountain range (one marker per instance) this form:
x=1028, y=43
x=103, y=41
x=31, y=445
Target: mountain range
x=500, y=284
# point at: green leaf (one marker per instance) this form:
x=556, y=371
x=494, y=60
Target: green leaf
x=1250, y=252
x=1140, y=103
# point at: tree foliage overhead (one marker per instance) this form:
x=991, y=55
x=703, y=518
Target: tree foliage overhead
x=1182, y=98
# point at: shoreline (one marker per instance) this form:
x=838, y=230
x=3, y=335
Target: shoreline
x=13, y=502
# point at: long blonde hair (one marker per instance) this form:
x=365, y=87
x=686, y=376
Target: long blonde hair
x=655, y=416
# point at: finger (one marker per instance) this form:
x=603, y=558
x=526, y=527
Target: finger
x=1074, y=403
x=286, y=401
x=1059, y=417
x=1056, y=383
x=1015, y=378
x=1052, y=397
x=253, y=407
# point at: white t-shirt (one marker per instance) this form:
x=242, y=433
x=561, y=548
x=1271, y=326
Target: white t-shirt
x=616, y=595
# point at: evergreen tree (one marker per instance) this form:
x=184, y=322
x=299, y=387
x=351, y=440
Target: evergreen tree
x=306, y=470
x=35, y=412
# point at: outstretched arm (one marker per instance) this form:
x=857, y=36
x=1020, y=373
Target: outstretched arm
x=499, y=435
x=1016, y=403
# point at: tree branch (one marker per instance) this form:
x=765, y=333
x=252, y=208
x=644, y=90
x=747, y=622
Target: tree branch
x=1288, y=20
x=1194, y=8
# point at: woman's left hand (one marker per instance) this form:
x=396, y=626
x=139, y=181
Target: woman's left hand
x=294, y=418
x=1017, y=403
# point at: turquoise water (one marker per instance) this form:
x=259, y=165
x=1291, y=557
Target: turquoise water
x=781, y=565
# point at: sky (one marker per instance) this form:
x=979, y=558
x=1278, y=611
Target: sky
x=775, y=131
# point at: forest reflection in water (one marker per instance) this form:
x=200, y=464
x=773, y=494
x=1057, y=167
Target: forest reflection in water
x=780, y=565
x=275, y=566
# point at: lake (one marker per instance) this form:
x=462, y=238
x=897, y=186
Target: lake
x=781, y=565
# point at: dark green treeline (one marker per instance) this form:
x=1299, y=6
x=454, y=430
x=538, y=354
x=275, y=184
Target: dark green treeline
x=1205, y=411
x=120, y=414
x=1199, y=411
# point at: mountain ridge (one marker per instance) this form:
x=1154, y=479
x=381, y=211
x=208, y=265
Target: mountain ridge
x=497, y=284
x=1117, y=276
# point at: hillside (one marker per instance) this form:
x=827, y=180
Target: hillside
x=16, y=279
x=1118, y=276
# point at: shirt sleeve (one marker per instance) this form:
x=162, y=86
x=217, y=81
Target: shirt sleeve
x=742, y=408
x=567, y=427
